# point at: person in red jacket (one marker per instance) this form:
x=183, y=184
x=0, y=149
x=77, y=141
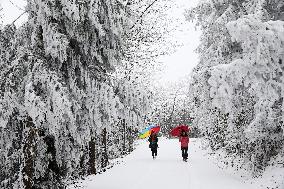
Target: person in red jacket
x=184, y=140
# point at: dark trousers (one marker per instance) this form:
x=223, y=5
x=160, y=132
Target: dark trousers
x=154, y=151
x=184, y=152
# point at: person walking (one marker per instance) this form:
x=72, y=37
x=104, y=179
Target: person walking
x=184, y=140
x=153, y=139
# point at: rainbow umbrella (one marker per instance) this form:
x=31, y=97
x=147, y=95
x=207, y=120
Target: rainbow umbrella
x=146, y=132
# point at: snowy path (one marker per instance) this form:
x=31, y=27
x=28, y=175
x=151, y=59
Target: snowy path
x=168, y=171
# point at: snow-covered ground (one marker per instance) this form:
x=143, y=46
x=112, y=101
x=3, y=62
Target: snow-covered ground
x=139, y=171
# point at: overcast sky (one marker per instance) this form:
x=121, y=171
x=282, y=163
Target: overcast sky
x=177, y=65
x=181, y=63
x=12, y=9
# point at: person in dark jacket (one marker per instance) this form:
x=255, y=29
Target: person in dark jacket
x=153, y=139
x=184, y=140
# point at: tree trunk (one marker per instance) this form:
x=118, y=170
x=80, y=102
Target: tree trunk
x=29, y=152
x=124, y=137
x=92, y=156
x=104, y=144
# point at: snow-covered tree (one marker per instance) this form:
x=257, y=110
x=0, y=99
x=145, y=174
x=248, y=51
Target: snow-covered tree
x=237, y=88
x=170, y=107
x=60, y=113
x=148, y=37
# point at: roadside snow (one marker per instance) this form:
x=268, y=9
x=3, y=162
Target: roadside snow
x=168, y=171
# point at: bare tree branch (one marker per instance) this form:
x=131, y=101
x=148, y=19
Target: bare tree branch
x=143, y=13
x=18, y=17
x=16, y=5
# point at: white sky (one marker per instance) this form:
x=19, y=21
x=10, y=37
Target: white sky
x=180, y=64
x=12, y=11
x=176, y=66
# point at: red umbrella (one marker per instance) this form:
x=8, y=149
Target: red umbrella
x=155, y=129
x=177, y=130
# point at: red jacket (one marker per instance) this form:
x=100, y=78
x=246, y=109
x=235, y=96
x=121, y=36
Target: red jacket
x=184, y=140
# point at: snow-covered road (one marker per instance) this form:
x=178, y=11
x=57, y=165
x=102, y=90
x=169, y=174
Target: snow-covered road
x=168, y=171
